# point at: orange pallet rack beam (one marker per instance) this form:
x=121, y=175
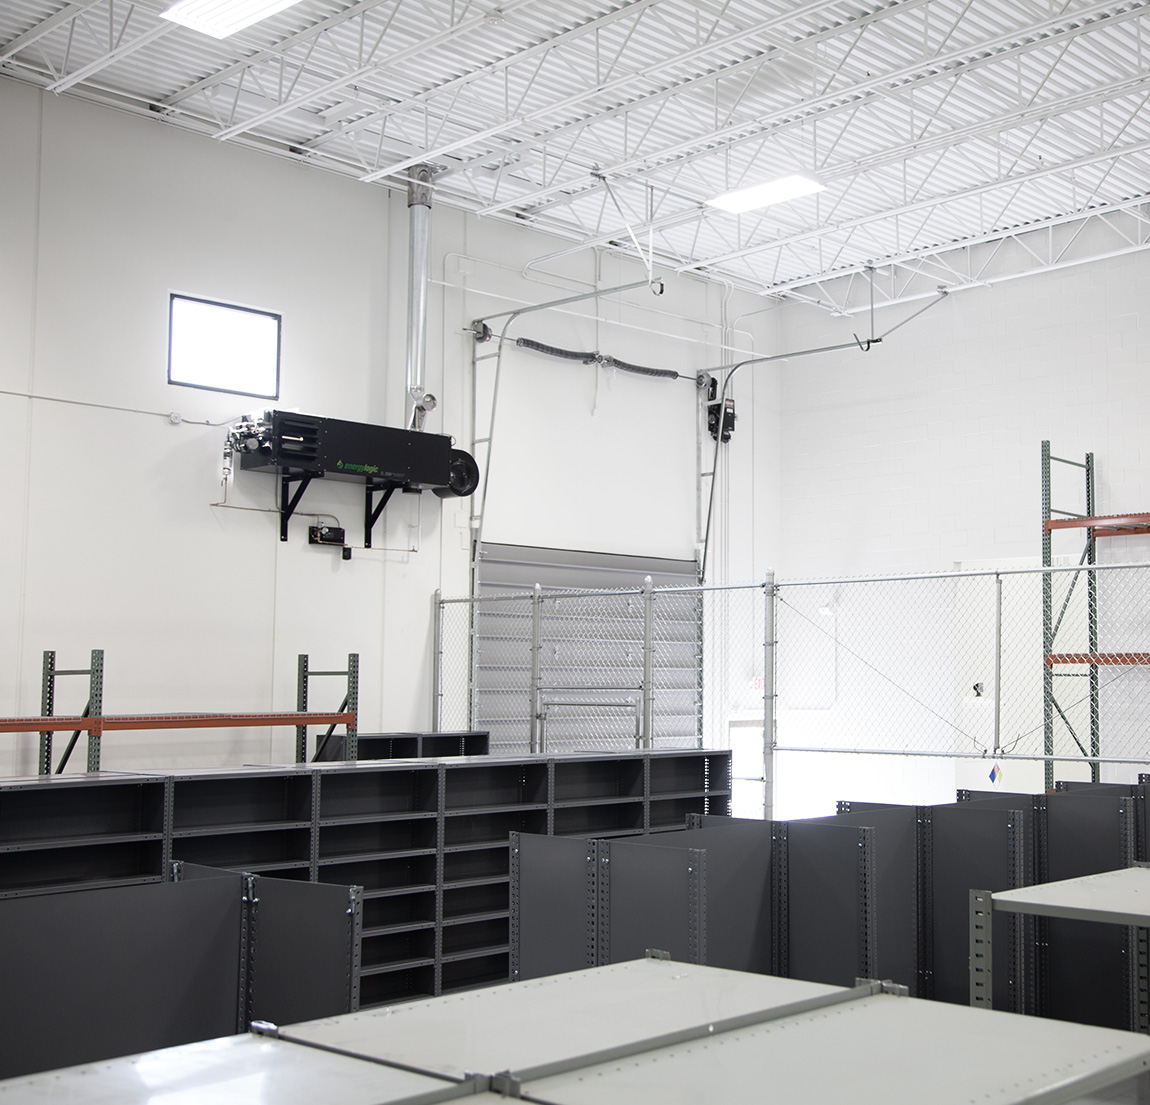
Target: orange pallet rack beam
x=109, y=722
x=1103, y=525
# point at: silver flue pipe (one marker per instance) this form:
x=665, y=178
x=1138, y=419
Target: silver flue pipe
x=419, y=402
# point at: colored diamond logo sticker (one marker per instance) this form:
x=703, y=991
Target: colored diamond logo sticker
x=995, y=773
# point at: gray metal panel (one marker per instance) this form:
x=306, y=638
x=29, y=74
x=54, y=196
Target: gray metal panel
x=879, y=1050
x=1084, y=833
x=226, y=1071
x=826, y=903
x=1085, y=968
x=527, y=1024
x=519, y=568
x=738, y=889
x=652, y=901
x=895, y=893
x=554, y=899
x=109, y=972
x=974, y=848
x=303, y=949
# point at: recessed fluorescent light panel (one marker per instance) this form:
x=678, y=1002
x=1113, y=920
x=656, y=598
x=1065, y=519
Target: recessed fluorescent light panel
x=222, y=347
x=220, y=18
x=763, y=195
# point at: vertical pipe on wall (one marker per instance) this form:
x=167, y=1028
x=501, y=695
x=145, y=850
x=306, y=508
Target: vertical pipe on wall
x=419, y=263
x=769, y=697
x=997, y=662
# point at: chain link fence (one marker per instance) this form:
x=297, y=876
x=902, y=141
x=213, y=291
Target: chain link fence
x=561, y=670
x=1049, y=666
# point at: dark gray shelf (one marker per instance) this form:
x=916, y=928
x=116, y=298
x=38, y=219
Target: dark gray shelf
x=425, y=838
x=493, y=915
x=79, y=841
x=239, y=827
x=388, y=930
x=376, y=818
x=398, y=891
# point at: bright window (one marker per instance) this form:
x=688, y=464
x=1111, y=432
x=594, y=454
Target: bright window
x=221, y=347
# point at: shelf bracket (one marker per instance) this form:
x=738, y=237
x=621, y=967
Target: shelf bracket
x=372, y=510
x=289, y=502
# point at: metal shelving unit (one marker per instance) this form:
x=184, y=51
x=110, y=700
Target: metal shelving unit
x=411, y=746
x=426, y=839
x=1120, y=897
x=1112, y=525
x=64, y=832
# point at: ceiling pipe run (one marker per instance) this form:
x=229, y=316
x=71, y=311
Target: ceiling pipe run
x=419, y=401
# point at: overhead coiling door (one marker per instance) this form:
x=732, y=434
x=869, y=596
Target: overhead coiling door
x=587, y=633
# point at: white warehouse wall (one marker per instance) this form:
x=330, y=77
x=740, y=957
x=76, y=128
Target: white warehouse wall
x=925, y=451
x=113, y=538
x=924, y=455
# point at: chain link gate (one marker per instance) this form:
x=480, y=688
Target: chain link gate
x=1046, y=666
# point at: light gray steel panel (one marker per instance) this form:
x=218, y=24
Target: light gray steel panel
x=526, y=1024
x=880, y=1050
x=251, y=1069
x=1119, y=897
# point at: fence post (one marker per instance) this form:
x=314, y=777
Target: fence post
x=536, y=664
x=769, y=592
x=437, y=659
x=648, y=727
x=997, y=662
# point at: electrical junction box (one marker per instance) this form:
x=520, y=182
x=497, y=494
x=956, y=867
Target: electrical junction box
x=325, y=535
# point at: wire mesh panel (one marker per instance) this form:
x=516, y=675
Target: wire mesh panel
x=612, y=669
x=678, y=677
x=590, y=669
x=453, y=666
x=1043, y=663
x=900, y=664
x=732, y=684
x=501, y=670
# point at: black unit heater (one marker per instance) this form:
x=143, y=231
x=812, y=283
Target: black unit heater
x=300, y=448
x=303, y=444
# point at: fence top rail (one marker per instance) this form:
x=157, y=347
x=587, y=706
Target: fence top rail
x=559, y=592
x=989, y=756
x=980, y=572
x=685, y=590
x=564, y=593
x=548, y=593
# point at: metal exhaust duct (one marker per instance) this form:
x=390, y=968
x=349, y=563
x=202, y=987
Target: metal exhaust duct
x=419, y=402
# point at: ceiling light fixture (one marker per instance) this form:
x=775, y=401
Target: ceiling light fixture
x=220, y=18
x=763, y=195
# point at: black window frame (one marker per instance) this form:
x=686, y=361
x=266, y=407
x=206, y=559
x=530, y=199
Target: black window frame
x=173, y=296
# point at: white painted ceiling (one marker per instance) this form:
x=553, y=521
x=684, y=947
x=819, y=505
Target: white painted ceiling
x=960, y=140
